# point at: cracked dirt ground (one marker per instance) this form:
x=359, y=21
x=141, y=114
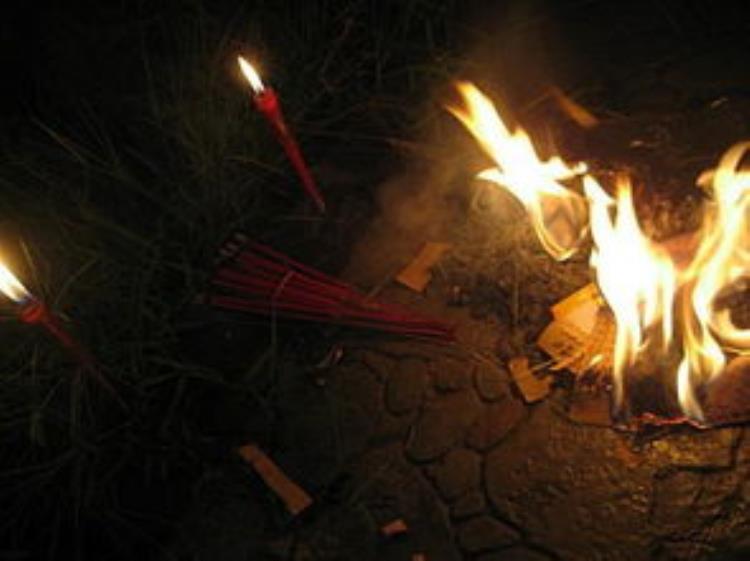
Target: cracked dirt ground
x=439, y=437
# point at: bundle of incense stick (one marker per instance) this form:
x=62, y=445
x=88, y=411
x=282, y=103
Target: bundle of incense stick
x=256, y=279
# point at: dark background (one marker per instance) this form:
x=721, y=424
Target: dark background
x=353, y=75
x=55, y=54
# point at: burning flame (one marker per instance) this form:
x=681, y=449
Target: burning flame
x=653, y=295
x=636, y=277
x=646, y=290
x=252, y=75
x=556, y=212
x=12, y=287
x=722, y=259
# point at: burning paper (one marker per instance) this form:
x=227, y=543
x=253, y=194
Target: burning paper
x=664, y=302
x=636, y=277
x=558, y=214
x=722, y=259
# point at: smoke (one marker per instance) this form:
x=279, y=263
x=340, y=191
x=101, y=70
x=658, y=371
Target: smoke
x=515, y=53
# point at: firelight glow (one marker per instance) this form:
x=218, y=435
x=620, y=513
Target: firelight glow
x=647, y=290
x=534, y=182
x=252, y=75
x=11, y=286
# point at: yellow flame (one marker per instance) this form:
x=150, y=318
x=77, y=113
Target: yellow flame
x=11, y=286
x=653, y=294
x=555, y=211
x=722, y=259
x=252, y=75
x=640, y=281
x=636, y=277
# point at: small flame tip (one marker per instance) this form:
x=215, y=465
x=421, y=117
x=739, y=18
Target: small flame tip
x=251, y=75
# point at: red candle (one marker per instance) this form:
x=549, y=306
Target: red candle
x=267, y=102
x=33, y=311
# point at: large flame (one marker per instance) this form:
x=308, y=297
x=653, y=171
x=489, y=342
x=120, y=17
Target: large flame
x=641, y=282
x=11, y=286
x=636, y=277
x=556, y=212
x=658, y=300
x=722, y=259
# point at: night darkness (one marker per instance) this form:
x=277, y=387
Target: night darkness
x=131, y=156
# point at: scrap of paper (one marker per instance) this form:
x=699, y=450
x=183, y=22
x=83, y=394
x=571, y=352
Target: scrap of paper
x=417, y=274
x=532, y=388
x=292, y=495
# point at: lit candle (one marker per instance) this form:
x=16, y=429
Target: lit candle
x=34, y=311
x=31, y=310
x=267, y=102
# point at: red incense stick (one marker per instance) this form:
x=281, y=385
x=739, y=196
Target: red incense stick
x=267, y=102
x=253, y=278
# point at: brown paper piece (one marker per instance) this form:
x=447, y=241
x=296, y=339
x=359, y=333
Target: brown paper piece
x=394, y=528
x=532, y=388
x=579, y=351
x=292, y=495
x=418, y=557
x=579, y=114
x=591, y=409
x=418, y=273
x=586, y=298
x=581, y=337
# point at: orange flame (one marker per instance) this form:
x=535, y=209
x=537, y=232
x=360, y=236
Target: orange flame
x=555, y=211
x=636, y=277
x=640, y=280
x=252, y=75
x=649, y=291
x=722, y=259
x=11, y=286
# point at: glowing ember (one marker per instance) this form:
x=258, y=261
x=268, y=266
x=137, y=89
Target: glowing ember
x=659, y=298
x=557, y=213
x=252, y=75
x=12, y=287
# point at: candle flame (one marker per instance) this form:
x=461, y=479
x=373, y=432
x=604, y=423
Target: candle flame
x=252, y=75
x=11, y=286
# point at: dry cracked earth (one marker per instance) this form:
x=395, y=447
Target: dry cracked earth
x=439, y=437
x=409, y=431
